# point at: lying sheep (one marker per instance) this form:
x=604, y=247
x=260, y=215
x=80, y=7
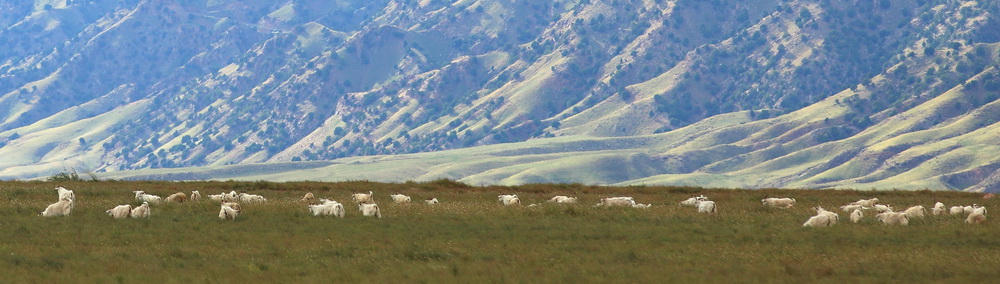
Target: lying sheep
x=399, y=198
x=977, y=217
x=851, y=207
x=821, y=220
x=195, y=196
x=65, y=194
x=120, y=211
x=915, y=211
x=142, y=196
x=866, y=202
x=141, y=211
x=309, y=197
x=893, y=218
x=857, y=215
x=251, y=198
x=955, y=210
x=616, y=201
x=370, y=210
x=177, y=197
x=778, y=202
x=706, y=206
x=642, y=206
x=61, y=208
x=938, y=209
x=431, y=201
x=563, y=199
x=834, y=218
x=509, y=199
x=882, y=208
x=693, y=201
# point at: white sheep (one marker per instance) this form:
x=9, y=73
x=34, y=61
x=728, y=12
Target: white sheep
x=893, y=218
x=821, y=220
x=866, y=202
x=141, y=211
x=969, y=209
x=778, y=202
x=938, y=209
x=327, y=208
x=976, y=217
x=217, y=197
x=857, y=215
x=251, y=198
x=915, y=211
x=229, y=211
x=232, y=196
x=512, y=201
x=706, y=206
x=834, y=218
x=432, y=201
x=361, y=198
x=693, y=201
x=195, y=196
x=882, y=208
x=616, y=201
x=177, y=197
x=370, y=210
x=955, y=210
x=120, y=211
x=851, y=207
x=563, y=199
x=65, y=194
x=642, y=206
x=399, y=198
x=505, y=199
x=309, y=197
x=61, y=208
x=142, y=196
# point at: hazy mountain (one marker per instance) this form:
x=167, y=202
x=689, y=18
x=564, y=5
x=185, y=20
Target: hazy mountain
x=729, y=93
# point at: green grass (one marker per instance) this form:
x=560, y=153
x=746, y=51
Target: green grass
x=471, y=238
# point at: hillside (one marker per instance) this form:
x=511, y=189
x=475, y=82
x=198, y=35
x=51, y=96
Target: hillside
x=715, y=93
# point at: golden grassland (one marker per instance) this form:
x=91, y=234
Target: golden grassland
x=471, y=238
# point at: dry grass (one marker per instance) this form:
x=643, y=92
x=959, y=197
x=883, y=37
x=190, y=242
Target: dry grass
x=471, y=238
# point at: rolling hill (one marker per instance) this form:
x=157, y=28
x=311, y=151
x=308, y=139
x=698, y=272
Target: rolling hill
x=802, y=94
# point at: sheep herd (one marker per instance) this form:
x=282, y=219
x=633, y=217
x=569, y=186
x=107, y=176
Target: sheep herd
x=230, y=206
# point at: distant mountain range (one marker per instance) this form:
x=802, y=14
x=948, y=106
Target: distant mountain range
x=758, y=93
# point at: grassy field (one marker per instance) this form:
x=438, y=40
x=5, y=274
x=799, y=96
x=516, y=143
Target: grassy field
x=471, y=238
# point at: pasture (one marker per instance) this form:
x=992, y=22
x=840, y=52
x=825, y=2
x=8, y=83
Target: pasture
x=471, y=238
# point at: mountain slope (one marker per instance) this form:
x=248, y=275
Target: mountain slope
x=748, y=93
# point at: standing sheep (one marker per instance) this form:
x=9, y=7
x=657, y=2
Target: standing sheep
x=361, y=198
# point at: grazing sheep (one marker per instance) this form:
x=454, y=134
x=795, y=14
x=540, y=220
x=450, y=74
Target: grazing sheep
x=399, y=198
x=327, y=208
x=61, y=208
x=821, y=220
x=834, y=218
x=141, y=211
x=177, y=197
x=142, y=196
x=938, y=209
x=707, y=207
x=229, y=211
x=432, y=201
x=778, y=202
x=65, y=194
x=857, y=215
x=309, y=198
x=693, y=201
x=882, y=208
x=370, y=210
x=955, y=210
x=361, y=198
x=251, y=198
x=915, y=211
x=120, y=211
x=866, y=202
x=893, y=218
x=563, y=199
x=616, y=201
x=195, y=196
x=851, y=207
